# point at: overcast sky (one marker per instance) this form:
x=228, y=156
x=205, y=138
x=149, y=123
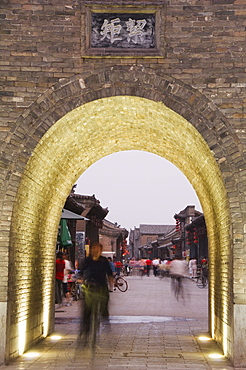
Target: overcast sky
x=138, y=188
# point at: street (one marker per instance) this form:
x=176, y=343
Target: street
x=149, y=329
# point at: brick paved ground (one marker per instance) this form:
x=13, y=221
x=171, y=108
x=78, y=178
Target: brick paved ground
x=149, y=329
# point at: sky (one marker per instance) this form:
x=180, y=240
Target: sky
x=138, y=188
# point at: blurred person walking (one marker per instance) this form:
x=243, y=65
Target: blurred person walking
x=59, y=276
x=178, y=270
x=95, y=271
x=148, y=263
x=155, y=264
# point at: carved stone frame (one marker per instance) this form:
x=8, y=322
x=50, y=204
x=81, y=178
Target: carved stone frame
x=88, y=52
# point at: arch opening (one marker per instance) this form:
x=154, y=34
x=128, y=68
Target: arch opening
x=68, y=148
x=138, y=187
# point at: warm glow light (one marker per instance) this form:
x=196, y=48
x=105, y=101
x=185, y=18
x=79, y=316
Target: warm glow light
x=22, y=336
x=55, y=337
x=215, y=355
x=45, y=320
x=212, y=314
x=204, y=338
x=31, y=354
x=225, y=335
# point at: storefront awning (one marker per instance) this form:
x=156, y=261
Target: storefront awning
x=68, y=215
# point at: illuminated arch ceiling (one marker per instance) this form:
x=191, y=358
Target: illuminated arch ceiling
x=100, y=128
x=109, y=125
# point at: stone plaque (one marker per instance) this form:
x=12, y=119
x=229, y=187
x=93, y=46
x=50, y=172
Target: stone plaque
x=116, y=31
x=120, y=31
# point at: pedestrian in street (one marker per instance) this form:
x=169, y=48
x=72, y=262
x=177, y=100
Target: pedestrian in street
x=148, y=265
x=59, y=276
x=141, y=267
x=118, y=265
x=95, y=272
x=67, y=279
x=193, y=268
x=155, y=264
x=113, y=268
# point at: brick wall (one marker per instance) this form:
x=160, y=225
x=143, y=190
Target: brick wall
x=201, y=77
x=146, y=239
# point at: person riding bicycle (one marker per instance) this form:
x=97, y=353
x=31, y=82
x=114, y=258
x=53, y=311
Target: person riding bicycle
x=178, y=270
x=95, y=271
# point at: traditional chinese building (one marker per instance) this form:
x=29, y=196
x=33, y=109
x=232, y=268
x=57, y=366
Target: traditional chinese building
x=76, y=209
x=94, y=212
x=196, y=238
x=183, y=218
x=93, y=228
x=141, y=238
x=187, y=238
x=113, y=238
x=86, y=230
x=165, y=244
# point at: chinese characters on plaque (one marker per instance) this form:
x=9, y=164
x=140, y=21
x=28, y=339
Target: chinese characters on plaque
x=123, y=31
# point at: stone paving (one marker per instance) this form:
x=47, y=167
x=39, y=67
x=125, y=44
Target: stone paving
x=149, y=329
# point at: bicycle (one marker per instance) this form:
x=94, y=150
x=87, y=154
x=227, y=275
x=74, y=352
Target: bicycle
x=202, y=281
x=120, y=283
x=77, y=290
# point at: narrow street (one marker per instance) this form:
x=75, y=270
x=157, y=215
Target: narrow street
x=149, y=329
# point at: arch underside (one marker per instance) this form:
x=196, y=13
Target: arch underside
x=77, y=140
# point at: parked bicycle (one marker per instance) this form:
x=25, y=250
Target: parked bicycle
x=120, y=283
x=76, y=291
x=202, y=280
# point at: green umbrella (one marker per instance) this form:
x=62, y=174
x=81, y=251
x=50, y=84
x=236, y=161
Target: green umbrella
x=64, y=236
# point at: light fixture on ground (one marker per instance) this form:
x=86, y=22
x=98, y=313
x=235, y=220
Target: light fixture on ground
x=55, y=337
x=216, y=355
x=204, y=339
x=31, y=354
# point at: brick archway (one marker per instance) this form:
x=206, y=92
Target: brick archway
x=92, y=116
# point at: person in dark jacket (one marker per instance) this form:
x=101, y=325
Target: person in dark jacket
x=95, y=270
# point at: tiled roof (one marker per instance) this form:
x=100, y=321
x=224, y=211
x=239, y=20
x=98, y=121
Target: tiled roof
x=113, y=225
x=72, y=205
x=155, y=229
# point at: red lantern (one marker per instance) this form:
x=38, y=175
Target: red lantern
x=177, y=224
